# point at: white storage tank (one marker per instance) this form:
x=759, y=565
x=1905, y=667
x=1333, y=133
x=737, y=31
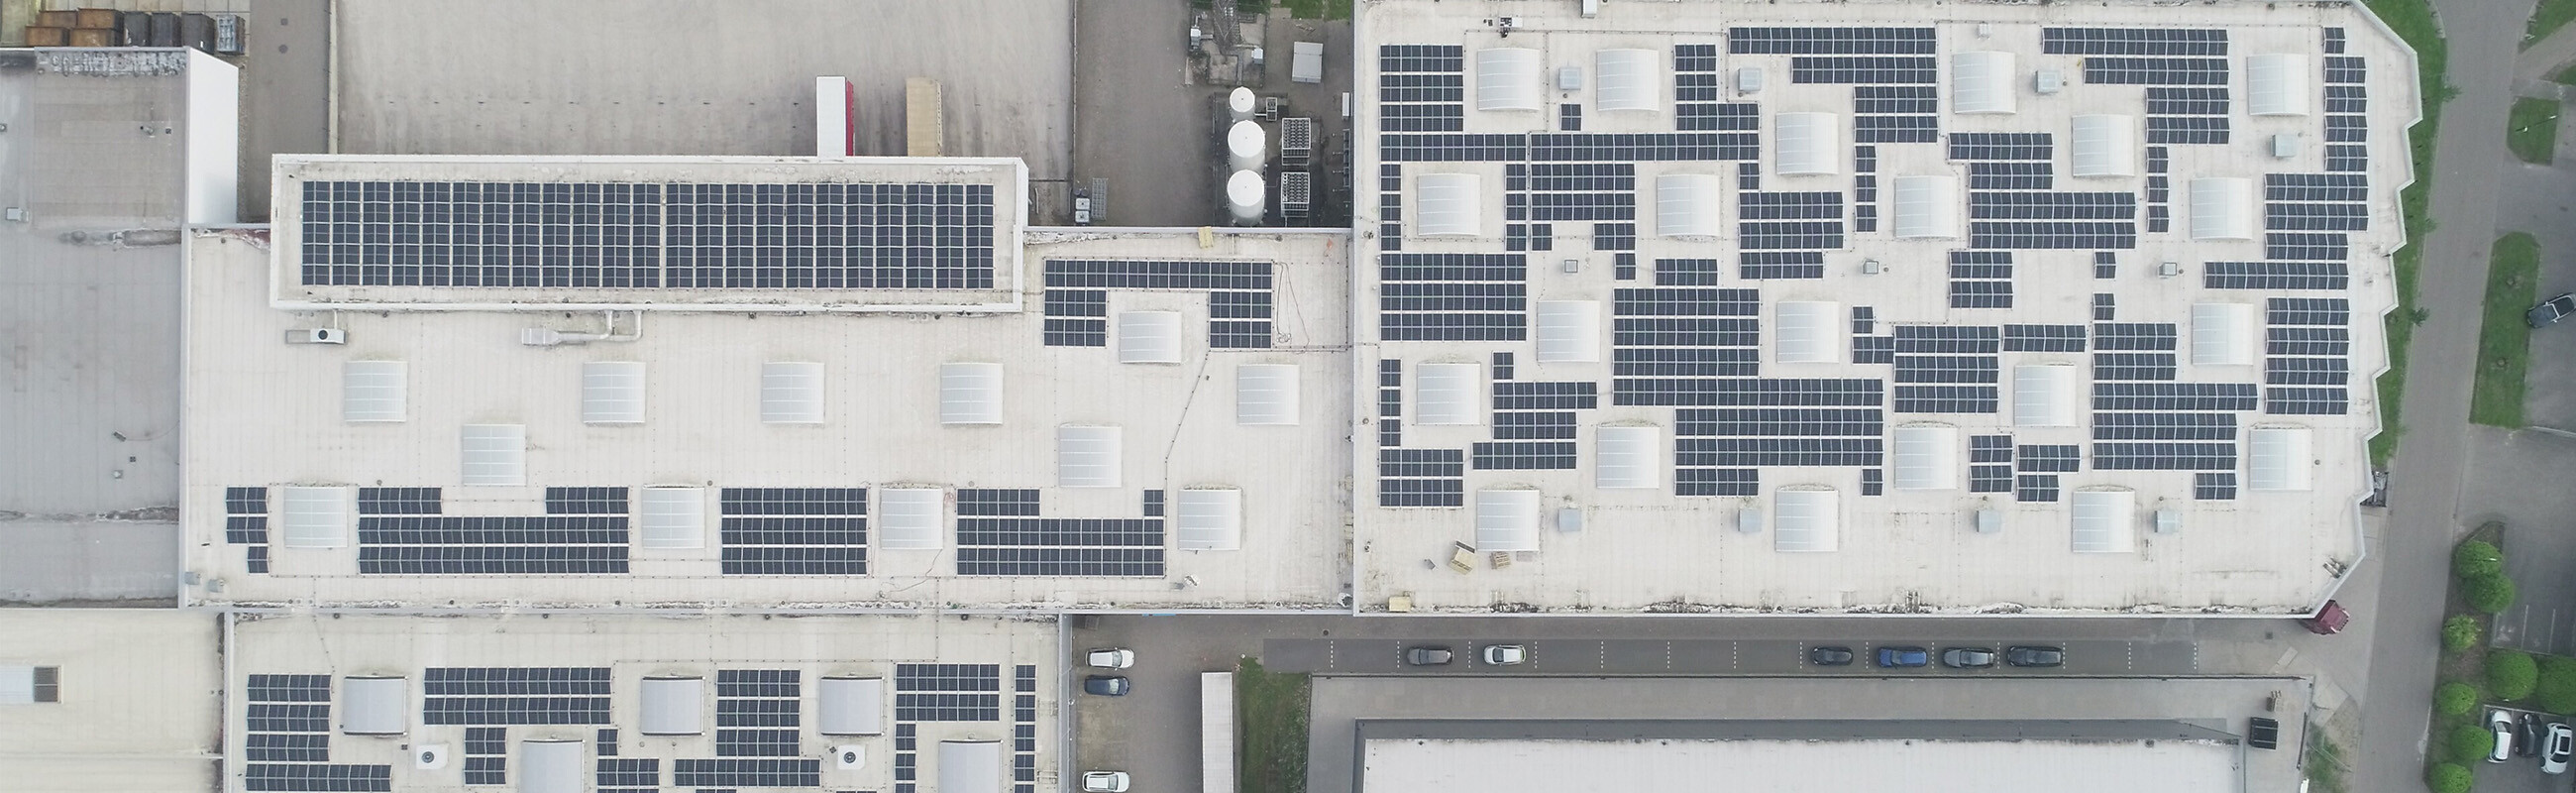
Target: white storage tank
x=1244, y=197
x=1246, y=146
x=1240, y=103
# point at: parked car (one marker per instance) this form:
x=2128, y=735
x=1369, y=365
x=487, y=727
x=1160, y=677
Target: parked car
x=2500, y=723
x=2030, y=655
x=1110, y=658
x=1105, y=685
x=2328, y=621
x=2550, y=311
x=2526, y=736
x=1830, y=656
x=1505, y=654
x=1104, y=782
x=1968, y=657
x=1902, y=657
x=1427, y=656
x=2559, y=744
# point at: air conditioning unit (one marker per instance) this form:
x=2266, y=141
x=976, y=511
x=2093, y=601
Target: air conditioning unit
x=317, y=336
x=849, y=757
x=429, y=757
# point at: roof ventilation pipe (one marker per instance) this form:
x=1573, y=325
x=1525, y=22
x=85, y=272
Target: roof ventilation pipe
x=550, y=337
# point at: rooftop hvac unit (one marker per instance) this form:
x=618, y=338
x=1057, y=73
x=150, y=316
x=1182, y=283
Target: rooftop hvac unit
x=2168, y=521
x=1296, y=195
x=2048, y=81
x=1569, y=78
x=429, y=757
x=1989, y=521
x=1296, y=142
x=228, y=34
x=849, y=758
x=317, y=336
x=1748, y=80
x=1748, y=520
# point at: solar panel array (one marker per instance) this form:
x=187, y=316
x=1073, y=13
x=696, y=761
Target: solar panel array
x=1076, y=300
x=246, y=524
x=795, y=530
x=1693, y=340
x=510, y=696
x=401, y=532
x=286, y=745
x=654, y=235
x=1000, y=532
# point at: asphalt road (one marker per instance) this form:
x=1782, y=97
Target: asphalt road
x=1593, y=657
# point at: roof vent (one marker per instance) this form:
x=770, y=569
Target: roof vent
x=429, y=757
x=849, y=758
x=1748, y=520
x=1989, y=521
x=1569, y=520
x=2168, y=521
x=317, y=336
x=2048, y=81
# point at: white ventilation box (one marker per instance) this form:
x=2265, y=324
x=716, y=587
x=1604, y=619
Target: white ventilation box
x=493, y=454
x=1626, y=80
x=1507, y=79
x=1448, y=393
x=2168, y=521
x=850, y=706
x=2103, y=145
x=1149, y=337
x=791, y=392
x=672, y=705
x=1806, y=144
x=1748, y=521
x=429, y=756
x=1989, y=521
x=910, y=518
x=970, y=393
x=315, y=517
x=1448, y=204
x=1569, y=331
x=612, y=392
x=1086, y=456
x=671, y=518
x=373, y=391
x=374, y=705
x=2104, y=521
x=317, y=336
x=1628, y=458
x=1507, y=520
x=1748, y=80
x=1924, y=457
x=1809, y=332
x=1810, y=520
x=1265, y=394
x=849, y=757
x=1207, y=519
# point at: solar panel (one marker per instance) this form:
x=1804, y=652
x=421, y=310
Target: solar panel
x=2220, y=486
x=947, y=692
x=629, y=775
x=756, y=712
x=1076, y=300
x=2114, y=70
x=1981, y=279
x=1421, y=87
x=487, y=751
x=2035, y=488
x=794, y=531
x=1452, y=297
x=1796, y=40
x=2133, y=41
x=746, y=772
x=492, y=545
x=246, y=516
x=2048, y=458
x=999, y=532
x=2043, y=338
x=514, y=695
x=1024, y=728
x=1859, y=69
x=2164, y=426
x=1524, y=455
x=1421, y=477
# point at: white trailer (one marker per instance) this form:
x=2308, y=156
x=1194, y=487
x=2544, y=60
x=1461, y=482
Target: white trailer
x=1216, y=732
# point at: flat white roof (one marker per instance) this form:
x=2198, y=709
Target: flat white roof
x=1965, y=229
x=823, y=459
x=1662, y=764
x=136, y=693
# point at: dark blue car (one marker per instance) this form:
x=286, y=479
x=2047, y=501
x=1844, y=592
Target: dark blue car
x=1899, y=657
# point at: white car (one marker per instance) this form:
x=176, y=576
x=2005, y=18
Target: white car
x=1104, y=781
x=2500, y=723
x=1505, y=654
x=1110, y=658
x=2555, y=749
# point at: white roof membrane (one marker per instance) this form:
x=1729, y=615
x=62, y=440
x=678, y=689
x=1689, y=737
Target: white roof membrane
x=1506, y=520
x=2104, y=521
x=1265, y=394
x=493, y=454
x=2222, y=208
x=1808, y=519
x=672, y=705
x=315, y=517
x=372, y=391
x=1569, y=331
x=1982, y=82
x=911, y=518
x=374, y=706
x=1086, y=456
x=1149, y=337
x=1927, y=207
x=1628, y=458
x=671, y=518
x=2103, y=145
x=1687, y=205
x=791, y=392
x=850, y=706
x=1207, y=519
x=2225, y=334
x=1809, y=332
x=2047, y=394
x=2276, y=84
x=1806, y=144
x=1448, y=393
x=1507, y=79
x=1448, y=204
x=612, y=392
x=2280, y=458
x=1926, y=457
x=1627, y=80
x=970, y=393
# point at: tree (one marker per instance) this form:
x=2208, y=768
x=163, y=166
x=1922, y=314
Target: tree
x=2557, y=689
x=2470, y=743
x=2460, y=632
x=2511, y=675
x=2455, y=699
x=2490, y=594
x=2475, y=559
x=2448, y=778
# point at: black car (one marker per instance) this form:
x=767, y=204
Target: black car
x=2526, y=736
x=1968, y=657
x=1830, y=656
x=2550, y=311
x=1427, y=656
x=2027, y=655
x=1105, y=685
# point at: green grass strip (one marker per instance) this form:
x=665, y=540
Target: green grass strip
x=2414, y=22
x=2550, y=16
x=2504, y=343
x=2532, y=133
x=1271, y=710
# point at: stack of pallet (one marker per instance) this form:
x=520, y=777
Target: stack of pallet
x=108, y=27
x=88, y=27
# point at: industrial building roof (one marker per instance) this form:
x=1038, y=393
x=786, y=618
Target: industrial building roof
x=1088, y=444
x=1747, y=306
x=1573, y=766
x=605, y=702
x=109, y=699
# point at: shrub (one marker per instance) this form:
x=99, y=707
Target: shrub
x=2474, y=559
x=2557, y=689
x=2455, y=699
x=2460, y=632
x=2448, y=778
x=2511, y=675
x=2490, y=594
x=2470, y=743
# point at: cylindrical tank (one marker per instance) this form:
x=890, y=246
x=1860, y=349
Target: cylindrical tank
x=1240, y=102
x=1244, y=196
x=1246, y=146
